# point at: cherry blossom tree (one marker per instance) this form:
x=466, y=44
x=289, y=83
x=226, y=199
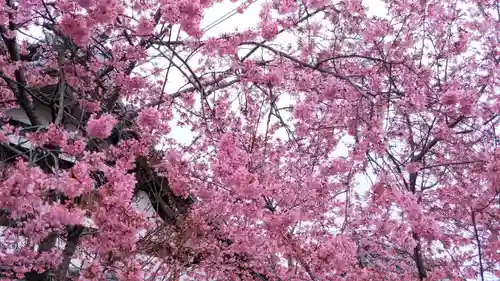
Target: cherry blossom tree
x=364, y=149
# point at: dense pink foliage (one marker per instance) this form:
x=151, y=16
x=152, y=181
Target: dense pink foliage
x=364, y=149
x=101, y=127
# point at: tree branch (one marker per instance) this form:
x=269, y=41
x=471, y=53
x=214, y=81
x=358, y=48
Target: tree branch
x=480, y=254
x=61, y=89
x=310, y=66
x=73, y=238
x=19, y=92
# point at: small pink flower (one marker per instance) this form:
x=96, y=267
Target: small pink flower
x=449, y=99
x=101, y=127
x=4, y=138
x=84, y=3
x=90, y=106
x=412, y=167
x=76, y=28
x=56, y=136
x=269, y=31
x=378, y=189
x=148, y=117
x=145, y=27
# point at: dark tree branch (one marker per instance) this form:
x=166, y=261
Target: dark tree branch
x=73, y=238
x=19, y=92
x=479, y=249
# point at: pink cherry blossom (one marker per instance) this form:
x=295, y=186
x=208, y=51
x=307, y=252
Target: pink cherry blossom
x=84, y=3
x=101, y=127
x=249, y=140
